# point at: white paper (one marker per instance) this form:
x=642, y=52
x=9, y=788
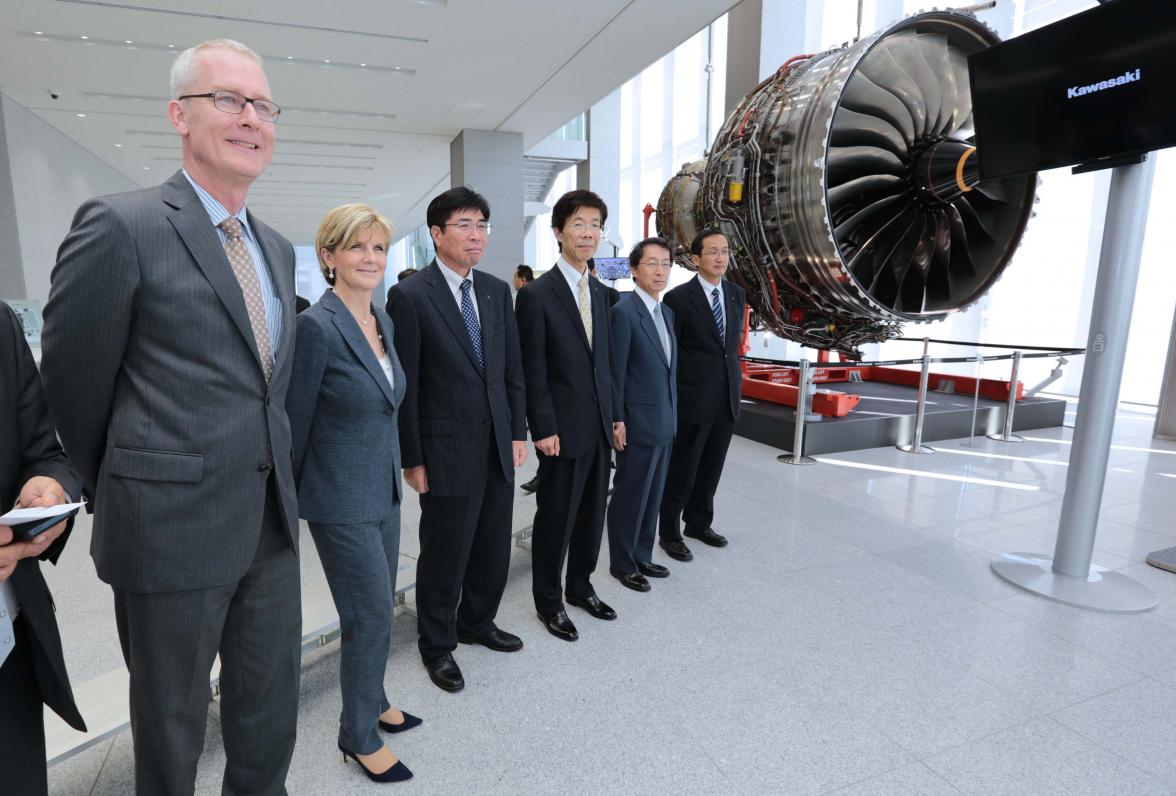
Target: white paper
x=18, y=516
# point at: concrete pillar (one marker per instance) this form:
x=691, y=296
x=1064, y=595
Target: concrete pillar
x=761, y=35
x=12, y=279
x=601, y=172
x=491, y=163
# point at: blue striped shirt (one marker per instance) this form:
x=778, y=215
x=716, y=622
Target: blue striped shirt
x=269, y=296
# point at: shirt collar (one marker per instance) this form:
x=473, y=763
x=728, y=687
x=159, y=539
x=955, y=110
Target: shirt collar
x=649, y=301
x=570, y=273
x=216, y=211
x=708, y=288
x=453, y=278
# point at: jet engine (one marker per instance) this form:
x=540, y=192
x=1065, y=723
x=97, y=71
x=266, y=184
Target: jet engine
x=847, y=183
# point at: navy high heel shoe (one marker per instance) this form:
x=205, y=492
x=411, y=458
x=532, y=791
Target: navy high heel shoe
x=397, y=773
x=409, y=722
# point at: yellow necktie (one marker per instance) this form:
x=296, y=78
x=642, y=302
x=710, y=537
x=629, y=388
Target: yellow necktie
x=585, y=308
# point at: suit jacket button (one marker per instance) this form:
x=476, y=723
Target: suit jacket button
x=593, y=397
x=488, y=421
x=264, y=468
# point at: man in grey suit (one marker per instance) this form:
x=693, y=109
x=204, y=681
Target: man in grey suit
x=167, y=353
x=645, y=403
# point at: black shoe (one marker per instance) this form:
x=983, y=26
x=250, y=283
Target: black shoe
x=497, y=640
x=677, y=550
x=445, y=674
x=398, y=772
x=559, y=625
x=630, y=580
x=409, y=722
x=652, y=570
x=531, y=486
x=707, y=536
x=593, y=605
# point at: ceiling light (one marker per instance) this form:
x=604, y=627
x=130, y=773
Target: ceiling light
x=363, y=64
x=118, y=146
x=289, y=57
x=85, y=37
x=146, y=168
x=171, y=45
x=326, y=60
x=127, y=41
x=37, y=33
x=81, y=116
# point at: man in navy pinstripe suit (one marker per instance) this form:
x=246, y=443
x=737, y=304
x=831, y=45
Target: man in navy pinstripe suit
x=462, y=432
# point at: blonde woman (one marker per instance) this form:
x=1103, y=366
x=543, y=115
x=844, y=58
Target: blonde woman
x=344, y=394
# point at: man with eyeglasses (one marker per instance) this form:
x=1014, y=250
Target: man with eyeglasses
x=708, y=321
x=463, y=431
x=168, y=342
x=563, y=322
x=645, y=398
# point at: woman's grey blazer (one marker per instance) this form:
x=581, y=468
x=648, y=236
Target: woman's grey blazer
x=343, y=418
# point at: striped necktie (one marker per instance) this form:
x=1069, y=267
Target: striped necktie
x=717, y=311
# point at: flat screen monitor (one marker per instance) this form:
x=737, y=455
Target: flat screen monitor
x=1095, y=86
x=611, y=267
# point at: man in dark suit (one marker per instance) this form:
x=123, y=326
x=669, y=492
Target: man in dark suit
x=168, y=344
x=563, y=323
x=645, y=403
x=33, y=472
x=708, y=320
x=462, y=432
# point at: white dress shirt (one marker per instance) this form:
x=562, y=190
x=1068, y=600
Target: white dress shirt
x=659, y=318
x=454, y=280
x=708, y=288
x=573, y=277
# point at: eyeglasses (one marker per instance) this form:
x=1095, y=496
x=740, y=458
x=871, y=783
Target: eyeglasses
x=578, y=227
x=717, y=253
x=656, y=263
x=466, y=227
x=232, y=102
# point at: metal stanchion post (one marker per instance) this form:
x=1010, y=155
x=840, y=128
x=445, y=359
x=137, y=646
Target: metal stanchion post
x=803, y=393
x=975, y=402
x=916, y=444
x=1007, y=435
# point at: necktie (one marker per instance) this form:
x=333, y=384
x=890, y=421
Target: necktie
x=660, y=322
x=717, y=311
x=585, y=307
x=243, y=269
x=7, y=633
x=471, y=320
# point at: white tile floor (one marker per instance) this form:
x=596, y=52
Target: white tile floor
x=852, y=638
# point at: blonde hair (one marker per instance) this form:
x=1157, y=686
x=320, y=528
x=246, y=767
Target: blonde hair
x=343, y=226
x=184, y=72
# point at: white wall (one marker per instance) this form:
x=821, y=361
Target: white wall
x=51, y=176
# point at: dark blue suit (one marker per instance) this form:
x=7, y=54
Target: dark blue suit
x=645, y=399
x=347, y=469
x=459, y=420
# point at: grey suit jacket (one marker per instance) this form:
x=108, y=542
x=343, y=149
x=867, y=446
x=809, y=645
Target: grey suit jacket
x=343, y=417
x=644, y=382
x=152, y=373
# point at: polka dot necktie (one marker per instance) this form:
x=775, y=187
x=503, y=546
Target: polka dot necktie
x=242, y=263
x=471, y=320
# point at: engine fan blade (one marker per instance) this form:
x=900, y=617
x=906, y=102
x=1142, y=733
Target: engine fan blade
x=855, y=227
x=846, y=163
x=865, y=96
x=906, y=50
x=935, y=51
x=939, y=291
x=851, y=128
x=963, y=109
x=961, y=265
x=994, y=190
x=883, y=70
x=855, y=193
x=866, y=264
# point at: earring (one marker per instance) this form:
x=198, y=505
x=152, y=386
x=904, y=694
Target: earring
x=331, y=273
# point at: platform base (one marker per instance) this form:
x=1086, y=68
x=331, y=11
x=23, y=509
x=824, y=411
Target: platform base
x=906, y=447
x=792, y=458
x=1008, y=438
x=1101, y=590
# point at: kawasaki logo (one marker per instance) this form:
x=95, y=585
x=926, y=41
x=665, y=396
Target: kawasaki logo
x=1130, y=76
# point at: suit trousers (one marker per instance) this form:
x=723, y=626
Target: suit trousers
x=360, y=562
x=464, y=560
x=569, y=521
x=169, y=641
x=22, y=722
x=696, y=464
x=636, y=499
